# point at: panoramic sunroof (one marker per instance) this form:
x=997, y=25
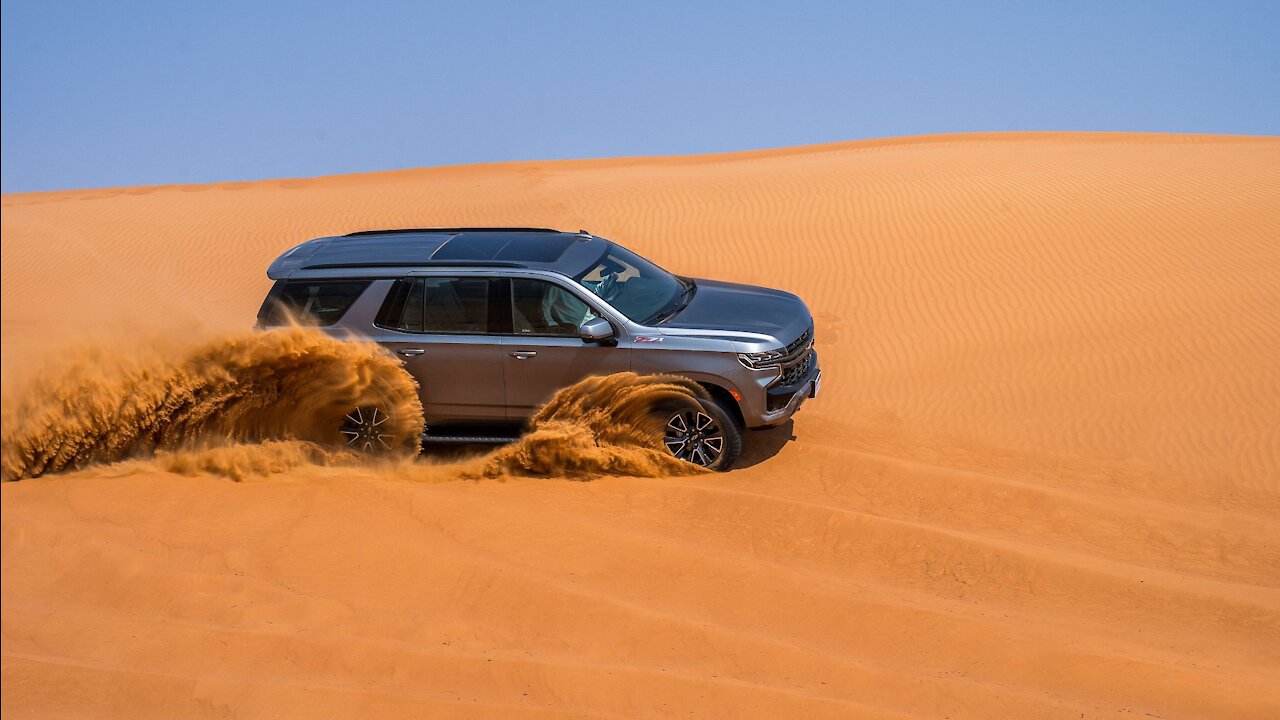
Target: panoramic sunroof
x=393, y=250
x=495, y=246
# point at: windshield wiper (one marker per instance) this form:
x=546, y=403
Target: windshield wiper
x=679, y=304
x=687, y=297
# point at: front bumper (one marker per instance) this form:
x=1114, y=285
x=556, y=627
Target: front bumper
x=783, y=401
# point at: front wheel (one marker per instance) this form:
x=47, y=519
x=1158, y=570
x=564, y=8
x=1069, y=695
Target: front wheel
x=703, y=433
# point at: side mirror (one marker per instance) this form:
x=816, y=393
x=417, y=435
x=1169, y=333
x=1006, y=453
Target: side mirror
x=596, y=330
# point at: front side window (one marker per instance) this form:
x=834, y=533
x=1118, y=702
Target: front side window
x=452, y=305
x=309, y=302
x=544, y=308
x=639, y=289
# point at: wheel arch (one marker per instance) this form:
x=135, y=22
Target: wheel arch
x=726, y=400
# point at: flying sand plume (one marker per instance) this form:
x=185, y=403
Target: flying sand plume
x=102, y=406
x=255, y=403
x=601, y=424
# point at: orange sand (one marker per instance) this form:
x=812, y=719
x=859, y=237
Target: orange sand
x=1043, y=481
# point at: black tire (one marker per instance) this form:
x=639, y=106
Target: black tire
x=704, y=433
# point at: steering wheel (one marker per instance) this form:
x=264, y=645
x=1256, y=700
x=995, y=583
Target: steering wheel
x=608, y=286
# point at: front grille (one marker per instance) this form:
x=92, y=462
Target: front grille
x=798, y=355
x=801, y=343
x=792, y=374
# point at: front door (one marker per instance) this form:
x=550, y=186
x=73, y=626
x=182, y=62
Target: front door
x=544, y=352
x=441, y=329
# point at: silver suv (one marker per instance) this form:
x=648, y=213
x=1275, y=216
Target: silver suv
x=492, y=321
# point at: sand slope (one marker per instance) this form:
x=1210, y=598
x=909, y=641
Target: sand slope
x=1044, y=480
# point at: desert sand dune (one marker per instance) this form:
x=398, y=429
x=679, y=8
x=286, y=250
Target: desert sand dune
x=1043, y=480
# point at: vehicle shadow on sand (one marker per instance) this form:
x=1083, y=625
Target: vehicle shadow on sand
x=757, y=447
x=761, y=445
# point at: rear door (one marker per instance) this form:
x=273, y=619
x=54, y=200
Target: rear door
x=448, y=332
x=544, y=352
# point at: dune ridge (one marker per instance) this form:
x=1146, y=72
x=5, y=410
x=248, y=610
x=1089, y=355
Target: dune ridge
x=1043, y=479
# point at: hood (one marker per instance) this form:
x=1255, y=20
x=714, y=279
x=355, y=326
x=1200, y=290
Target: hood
x=722, y=306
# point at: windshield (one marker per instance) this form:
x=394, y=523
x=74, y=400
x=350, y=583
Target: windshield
x=639, y=289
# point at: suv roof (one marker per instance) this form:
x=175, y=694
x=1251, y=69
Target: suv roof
x=394, y=252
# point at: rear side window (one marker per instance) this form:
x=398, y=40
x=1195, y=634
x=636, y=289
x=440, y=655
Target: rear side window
x=402, y=310
x=309, y=302
x=450, y=305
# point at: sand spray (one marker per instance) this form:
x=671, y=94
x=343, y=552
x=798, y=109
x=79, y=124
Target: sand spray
x=255, y=403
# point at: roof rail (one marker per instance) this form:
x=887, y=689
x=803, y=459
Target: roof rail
x=424, y=264
x=398, y=231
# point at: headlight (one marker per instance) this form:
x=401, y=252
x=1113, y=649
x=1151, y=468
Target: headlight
x=755, y=361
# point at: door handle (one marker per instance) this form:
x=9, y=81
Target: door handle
x=522, y=354
x=410, y=352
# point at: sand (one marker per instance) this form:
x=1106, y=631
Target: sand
x=1043, y=479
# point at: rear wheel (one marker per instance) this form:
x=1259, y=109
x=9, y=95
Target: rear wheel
x=703, y=433
x=380, y=426
x=366, y=430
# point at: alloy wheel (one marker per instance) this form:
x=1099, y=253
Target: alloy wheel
x=364, y=431
x=694, y=436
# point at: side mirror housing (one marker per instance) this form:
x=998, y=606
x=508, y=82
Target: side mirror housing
x=596, y=330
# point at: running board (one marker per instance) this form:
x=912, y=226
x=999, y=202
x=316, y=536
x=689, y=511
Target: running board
x=485, y=439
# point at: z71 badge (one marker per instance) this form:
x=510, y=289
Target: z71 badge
x=648, y=339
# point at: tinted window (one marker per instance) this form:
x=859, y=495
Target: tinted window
x=402, y=310
x=543, y=308
x=473, y=246
x=447, y=305
x=535, y=248
x=539, y=247
x=455, y=305
x=309, y=302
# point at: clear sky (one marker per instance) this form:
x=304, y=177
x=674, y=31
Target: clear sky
x=125, y=93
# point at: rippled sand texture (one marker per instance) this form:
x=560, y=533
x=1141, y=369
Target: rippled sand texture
x=1043, y=480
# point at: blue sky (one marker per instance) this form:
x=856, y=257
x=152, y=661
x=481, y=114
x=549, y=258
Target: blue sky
x=125, y=93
